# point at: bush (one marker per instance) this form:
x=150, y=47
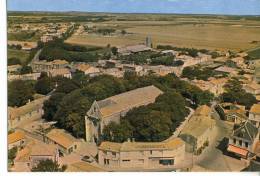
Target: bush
x=14, y=61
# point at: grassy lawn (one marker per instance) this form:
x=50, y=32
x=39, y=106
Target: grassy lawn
x=22, y=55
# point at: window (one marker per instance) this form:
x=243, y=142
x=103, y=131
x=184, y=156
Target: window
x=126, y=160
x=240, y=142
x=114, y=153
x=106, y=161
x=234, y=141
x=166, y=162
x=75, y=147
x=151, y=152
x=246, y=144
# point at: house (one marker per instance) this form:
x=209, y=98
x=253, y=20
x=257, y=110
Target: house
x=46, y=38
x=141, y=155
x=116, y=72
x=198, y=131
x=44, y=66
x=229, y=70
x=253, y=88
x=32, y=154
x=16, y=139
x=127, y=50
x=239, y=62
x=29, y=76
x=214, y=85
x=243, y=139
x=231, y=112
x=24, y=114
x=162, y=70
x=88, y=70
x=111, y=109
x=66, y=143
x=137, y=69
x=254, y=115
x=64, y=72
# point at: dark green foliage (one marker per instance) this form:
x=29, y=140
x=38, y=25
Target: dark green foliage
x=106, y=31
x=163, y=60
x=154, y=122
x=51, y=106
x=235, y=94
x=12, y=154
x=20, y=92
x=26, y=70
x=118, y=132
x=44, y=85
x=71, y=112
x=49, y=166
x=17, y=47
x=114, y=50
x=21, y=36
x=14, y=61
x=57, y=49
x=198, y=73
x=71, y=107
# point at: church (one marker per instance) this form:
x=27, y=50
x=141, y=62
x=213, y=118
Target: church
x=113, y=108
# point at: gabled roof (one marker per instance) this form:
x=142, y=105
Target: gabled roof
x=124, y=101
x=255, y=109
x=35, y=148
x=246, y=130
x=62, y=138
x=29, y=107
x=16, y=136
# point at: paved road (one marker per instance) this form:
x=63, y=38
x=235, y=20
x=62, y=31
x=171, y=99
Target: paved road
x=36, y=56
x=212, y=158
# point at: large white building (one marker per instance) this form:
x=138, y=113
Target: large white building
x=141, y=155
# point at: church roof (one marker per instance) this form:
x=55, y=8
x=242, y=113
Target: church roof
x=128, y=100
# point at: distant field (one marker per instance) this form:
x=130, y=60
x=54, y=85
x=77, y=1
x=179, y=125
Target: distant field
x=22, y=55
x=210, y=36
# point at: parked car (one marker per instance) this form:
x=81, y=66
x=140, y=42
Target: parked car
x=87, y=159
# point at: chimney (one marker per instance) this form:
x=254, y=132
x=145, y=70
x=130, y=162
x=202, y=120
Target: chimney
x=133, y=139
x=128, y=140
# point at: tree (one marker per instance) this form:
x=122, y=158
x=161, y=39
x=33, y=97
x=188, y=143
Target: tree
x=26, y=69
x=14, y=61
x=118, y=132
x=114, y=50
x=12, y=154
x=236, y=94
x=49, y=166
x=51, y=106
x=123, y=32
x=20, y=92
x=44, y=85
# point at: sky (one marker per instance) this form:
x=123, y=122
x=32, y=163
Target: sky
x=228, y=7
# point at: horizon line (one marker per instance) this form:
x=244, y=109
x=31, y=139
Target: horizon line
x=163, y=13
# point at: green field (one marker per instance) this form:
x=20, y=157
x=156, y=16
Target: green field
x=22, y=55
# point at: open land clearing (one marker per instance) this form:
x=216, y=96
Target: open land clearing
x=210, y=35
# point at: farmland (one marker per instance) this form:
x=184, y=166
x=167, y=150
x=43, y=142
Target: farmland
x=209, y=32
x=208, y=36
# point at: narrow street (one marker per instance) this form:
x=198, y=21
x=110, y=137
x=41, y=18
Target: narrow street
x=212, y=158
